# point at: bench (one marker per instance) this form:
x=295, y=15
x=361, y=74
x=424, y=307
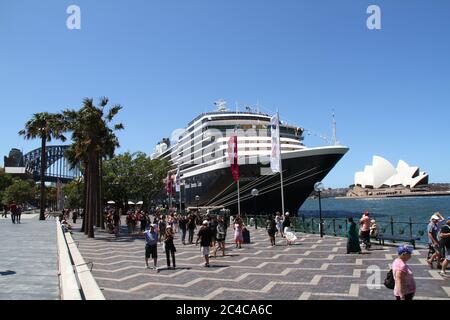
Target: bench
x=382, y=237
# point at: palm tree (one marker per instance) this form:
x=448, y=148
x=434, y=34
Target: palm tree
x=45, y=126
x=93, y=140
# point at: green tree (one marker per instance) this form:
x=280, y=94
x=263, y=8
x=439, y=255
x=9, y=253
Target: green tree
x=45, y=126
x=133, y=177
x=74, y=191
x=93, y=140
x=20, y=192
x=5, y=182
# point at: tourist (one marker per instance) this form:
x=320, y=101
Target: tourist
x=365, y=229
x=13, y=209
x=5, y=211
x=74, y=217
x=182, y=222
x=169, y=246
x=19, y=213
x=445, y=242
x=162, y=228
x=204, y=235
x=191, y=224
x=286, y=222
x=221, y=233
x=151, y=246
x=289, y=235
x=374, y=229
x=279, y=222
x=143, y=221
x=353, y=239
x=117, y=223
x=433, y=243
x=213, y=227
x=271, y=228
x=176, y=217
x=405, y=285
x=238, y=237
x=129, y=221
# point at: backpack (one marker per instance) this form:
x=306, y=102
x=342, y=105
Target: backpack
x=389, y=282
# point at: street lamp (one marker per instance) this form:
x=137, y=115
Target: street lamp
x=318, y=187
x=197, y=198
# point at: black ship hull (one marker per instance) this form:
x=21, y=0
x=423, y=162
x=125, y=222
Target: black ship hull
x=301, y=170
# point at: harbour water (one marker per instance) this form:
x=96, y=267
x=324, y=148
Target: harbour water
x=400, y=216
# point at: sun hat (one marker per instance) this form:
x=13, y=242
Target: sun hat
x=435, y=217
x=205, y=222
x=153, y=225
x=287, y=213
x=404, y=249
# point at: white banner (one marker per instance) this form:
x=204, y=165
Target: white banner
x=177, y=181
x=275, y=156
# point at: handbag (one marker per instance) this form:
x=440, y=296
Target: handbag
x=389, y=282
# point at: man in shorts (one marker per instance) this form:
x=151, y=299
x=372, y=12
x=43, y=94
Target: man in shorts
x=205, y=237
x=151, y=246
x=445, y=236
x=433, y=243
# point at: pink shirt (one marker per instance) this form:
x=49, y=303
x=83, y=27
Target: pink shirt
x=365, y=223
x=409, y=283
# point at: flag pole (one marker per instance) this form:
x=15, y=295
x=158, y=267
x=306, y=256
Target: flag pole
x=239, y=198
x=281, y=167
x=180, y=200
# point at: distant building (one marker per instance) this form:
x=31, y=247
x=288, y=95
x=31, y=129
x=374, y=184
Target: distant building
x=382, y=174
x=15, y=159
x=15, y=164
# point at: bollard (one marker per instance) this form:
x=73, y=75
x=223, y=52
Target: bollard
x=256, y=224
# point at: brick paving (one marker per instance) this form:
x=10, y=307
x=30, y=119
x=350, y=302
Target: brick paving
x=313, y=269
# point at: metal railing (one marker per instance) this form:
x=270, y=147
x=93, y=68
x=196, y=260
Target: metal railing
x=339, y=226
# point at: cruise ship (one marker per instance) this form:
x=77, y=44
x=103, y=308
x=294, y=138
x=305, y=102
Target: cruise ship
x=200, y=153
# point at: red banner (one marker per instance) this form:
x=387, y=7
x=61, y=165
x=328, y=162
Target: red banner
x=233, y=156
x=169, y=185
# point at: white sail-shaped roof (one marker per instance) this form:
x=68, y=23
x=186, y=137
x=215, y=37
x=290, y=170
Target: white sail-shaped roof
x=383, y=174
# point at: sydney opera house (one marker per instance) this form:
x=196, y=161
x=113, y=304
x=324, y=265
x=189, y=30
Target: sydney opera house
x=383, y=179
x=383, y=174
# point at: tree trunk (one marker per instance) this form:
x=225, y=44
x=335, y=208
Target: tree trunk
x=93, y=191
x=43, y=169
x=99, y=221
x=86, y=196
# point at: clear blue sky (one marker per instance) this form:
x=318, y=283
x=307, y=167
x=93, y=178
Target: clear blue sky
x=166, y=61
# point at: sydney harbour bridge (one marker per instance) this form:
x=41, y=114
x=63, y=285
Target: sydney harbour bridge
x=57, y=168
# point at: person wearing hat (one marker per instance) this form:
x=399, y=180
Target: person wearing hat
x=405, y=285
x=445, y=241
x=286, y=222
x=433, y=243
x=151, y=246
x=204, y=235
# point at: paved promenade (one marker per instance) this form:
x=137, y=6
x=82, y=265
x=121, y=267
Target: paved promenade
x=28, y=259
x=312, y=269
